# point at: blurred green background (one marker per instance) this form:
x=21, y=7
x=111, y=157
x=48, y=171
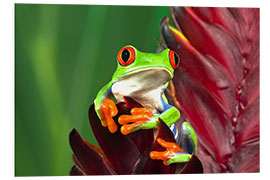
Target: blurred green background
x=63, y=55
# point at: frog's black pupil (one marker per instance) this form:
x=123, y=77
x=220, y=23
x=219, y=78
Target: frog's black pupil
x=125, y=55
x=176, y=60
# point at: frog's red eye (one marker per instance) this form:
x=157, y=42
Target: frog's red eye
x=126, y=56
x=174, y=59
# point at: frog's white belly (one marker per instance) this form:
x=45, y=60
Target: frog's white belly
x=145, y=88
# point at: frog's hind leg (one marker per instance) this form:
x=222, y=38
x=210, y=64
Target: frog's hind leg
x=172, y=154
x=175, y=153
x=188, y=138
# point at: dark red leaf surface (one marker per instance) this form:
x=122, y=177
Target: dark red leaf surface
x=76, y=171
x=194, y=166
x=217, y=83
x=92, y=161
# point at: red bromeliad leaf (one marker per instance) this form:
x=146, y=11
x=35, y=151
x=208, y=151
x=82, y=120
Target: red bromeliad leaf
x=194, y=166
x=76, y=171
x=217, y=83
x=85, y=155
x=117, y=148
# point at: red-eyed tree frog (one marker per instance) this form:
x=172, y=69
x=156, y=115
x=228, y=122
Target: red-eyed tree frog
x=144, y=78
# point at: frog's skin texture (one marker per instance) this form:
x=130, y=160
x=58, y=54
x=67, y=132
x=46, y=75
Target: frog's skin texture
x=144, y=78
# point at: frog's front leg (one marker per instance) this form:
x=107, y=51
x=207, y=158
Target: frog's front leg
x=142, y=118
x=106, y=108
x=174, y=153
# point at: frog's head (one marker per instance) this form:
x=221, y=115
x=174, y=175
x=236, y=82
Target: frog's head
x=132, y=62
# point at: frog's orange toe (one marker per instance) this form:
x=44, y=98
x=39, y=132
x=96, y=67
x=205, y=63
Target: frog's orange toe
x=124, y=119
x=112, y=127
x=171, y=146
x=159, y=155
x=171, y=149
x=108, y=111
x=128, y=128
x=137, y=114
x=125, y=130
x=137, y=118
x=145, y=111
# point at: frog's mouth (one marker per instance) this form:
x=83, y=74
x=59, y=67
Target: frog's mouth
x=155, y=70
x=147, y=78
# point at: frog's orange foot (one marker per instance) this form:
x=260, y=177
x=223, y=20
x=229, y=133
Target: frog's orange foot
x=135, y=121
x=108, y=110
x=172, y=151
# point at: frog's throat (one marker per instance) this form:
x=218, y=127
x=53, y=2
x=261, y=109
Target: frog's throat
x=135, y=71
